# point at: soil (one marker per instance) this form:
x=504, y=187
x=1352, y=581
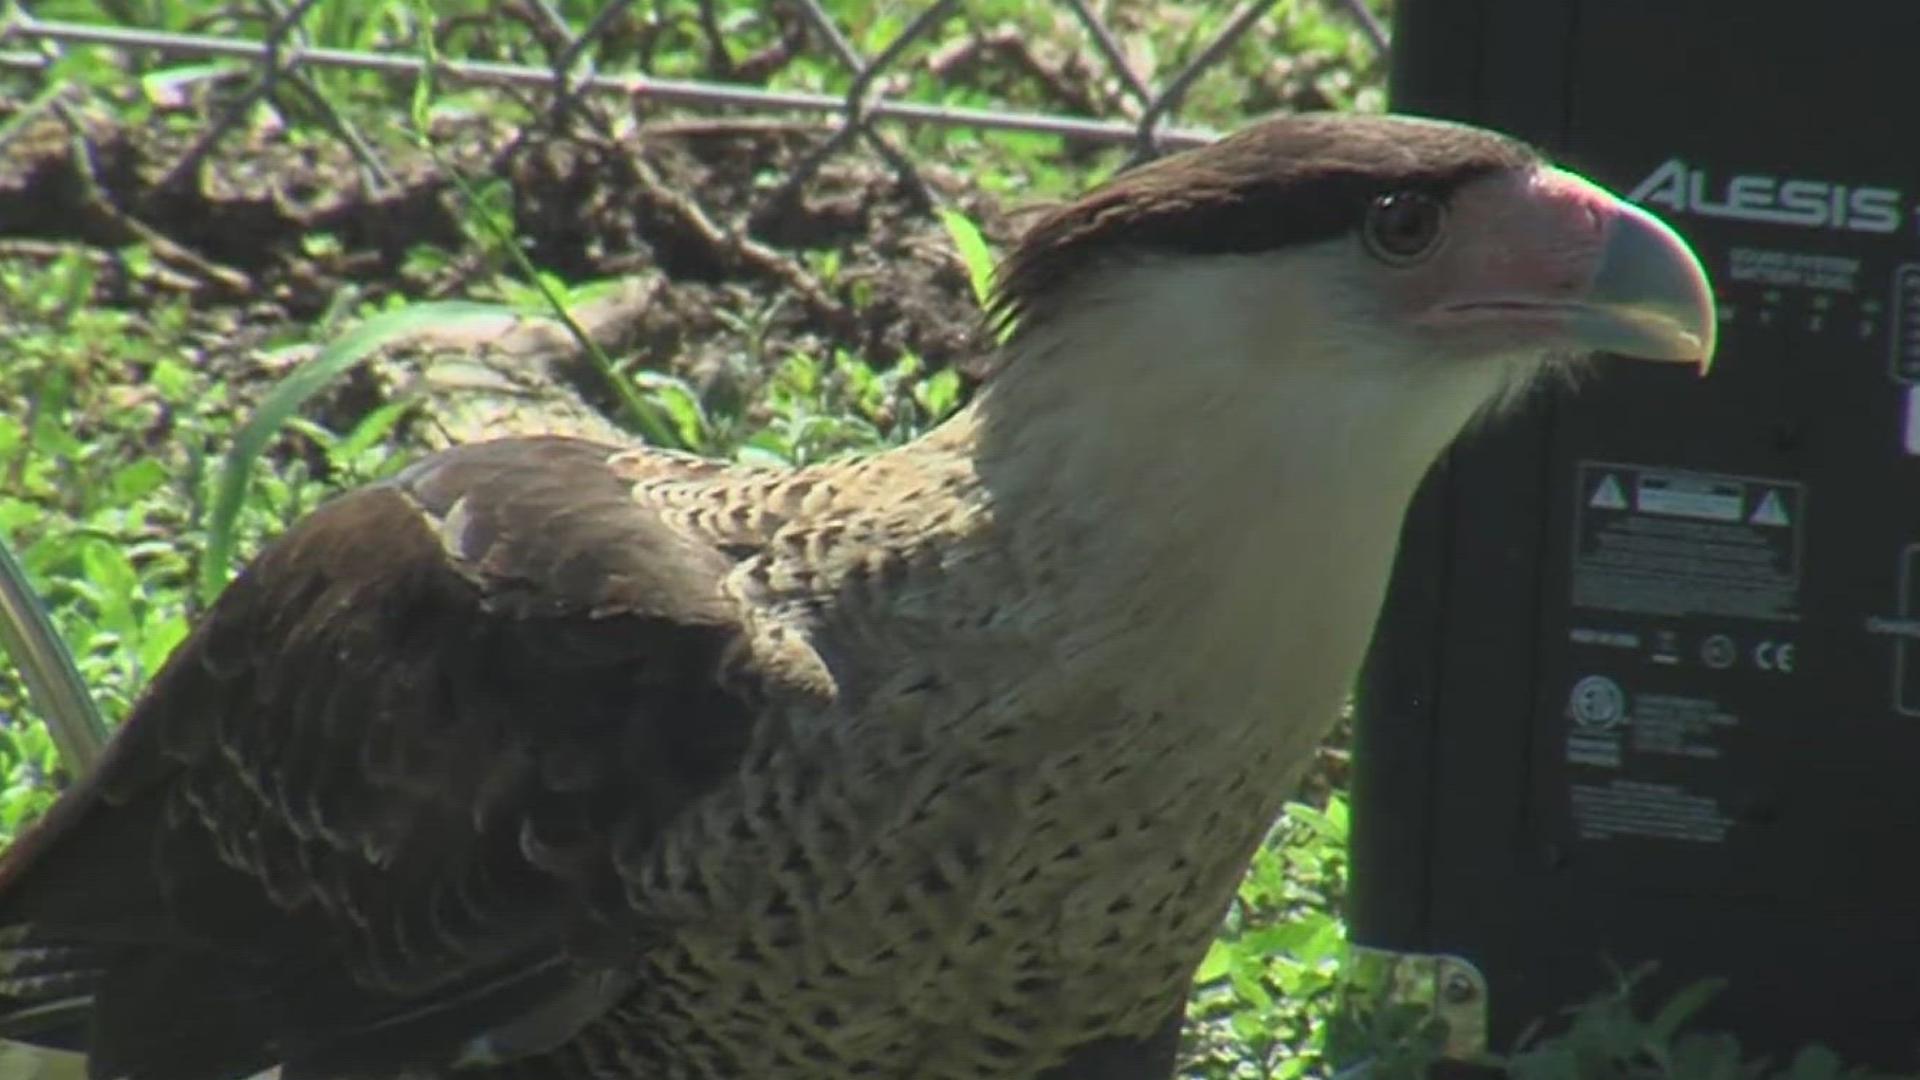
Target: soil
x=720, y=269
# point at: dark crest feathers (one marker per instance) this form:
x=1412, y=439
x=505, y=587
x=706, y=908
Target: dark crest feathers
x=1289, y=180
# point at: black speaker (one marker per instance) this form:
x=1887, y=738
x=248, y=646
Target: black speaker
x=1647, y=683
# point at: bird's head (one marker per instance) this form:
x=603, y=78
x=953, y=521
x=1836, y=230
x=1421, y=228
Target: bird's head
x=1400, y=273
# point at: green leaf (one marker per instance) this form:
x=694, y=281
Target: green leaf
x=1680, y=1008
x=1557, y=1062
x=1218, y=960
x=1814, y=1063
x=1706, y=1056
x=677, y=400
x=158, y=638
x=115, y=585
x=765, y=448
x=12, y=434
x=372, y=428
x=974, y=253
x=173, y=379
x=938, y=394
x=1248, y=985
x=132, y=482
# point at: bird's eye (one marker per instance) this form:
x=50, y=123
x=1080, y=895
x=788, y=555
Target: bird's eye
x=1403, y=227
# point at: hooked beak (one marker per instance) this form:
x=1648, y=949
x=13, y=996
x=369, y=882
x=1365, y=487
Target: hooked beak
x=1649, y=298
x=1548, y=258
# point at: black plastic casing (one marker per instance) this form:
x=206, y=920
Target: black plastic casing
x=1647, y=683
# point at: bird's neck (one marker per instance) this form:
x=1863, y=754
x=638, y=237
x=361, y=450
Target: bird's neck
x=1206, y=549
x=1226, y=520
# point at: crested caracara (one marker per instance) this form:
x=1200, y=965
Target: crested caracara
x=550, y=759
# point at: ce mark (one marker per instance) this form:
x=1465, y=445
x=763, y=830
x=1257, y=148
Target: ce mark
x=1773, y=655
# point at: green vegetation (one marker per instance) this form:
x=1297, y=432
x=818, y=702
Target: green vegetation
x=192, y=361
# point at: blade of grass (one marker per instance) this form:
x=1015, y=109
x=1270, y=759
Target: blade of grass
x=285, y=400
x=46, y=666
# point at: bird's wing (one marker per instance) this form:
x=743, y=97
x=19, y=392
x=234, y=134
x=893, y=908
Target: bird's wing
x=370, y=811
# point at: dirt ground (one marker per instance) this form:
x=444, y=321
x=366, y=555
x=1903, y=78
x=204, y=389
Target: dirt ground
x=720, y=271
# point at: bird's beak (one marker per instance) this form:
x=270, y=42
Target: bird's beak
x=1545, y=257
x=1649, y=298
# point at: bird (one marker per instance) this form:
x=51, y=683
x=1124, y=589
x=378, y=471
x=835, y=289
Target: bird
x=552, y=758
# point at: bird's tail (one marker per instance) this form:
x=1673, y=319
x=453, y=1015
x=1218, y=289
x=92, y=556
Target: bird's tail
x=173, y=1014
x=46, y=989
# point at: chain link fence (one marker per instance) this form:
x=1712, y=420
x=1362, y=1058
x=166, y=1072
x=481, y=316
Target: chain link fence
x=282, y=58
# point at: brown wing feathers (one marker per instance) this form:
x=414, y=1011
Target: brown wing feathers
x=406, y=721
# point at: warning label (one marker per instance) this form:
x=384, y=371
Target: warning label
x=1608, y=494
x=1636, y=808
x=1681, y=645
x=1906, y=323
x=1673, y=542
x=1771, y=511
